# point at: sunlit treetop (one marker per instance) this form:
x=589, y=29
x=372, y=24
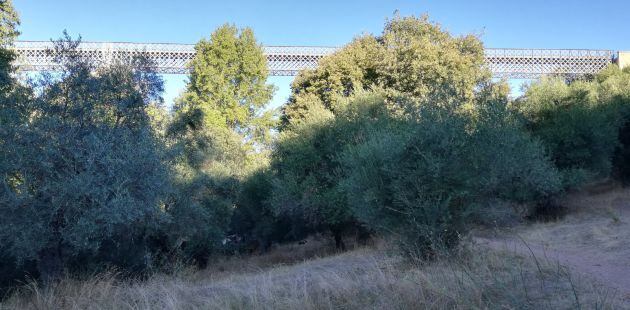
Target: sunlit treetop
x=413, y=57
x=9, y=21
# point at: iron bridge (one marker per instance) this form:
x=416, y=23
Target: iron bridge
x=289, y=60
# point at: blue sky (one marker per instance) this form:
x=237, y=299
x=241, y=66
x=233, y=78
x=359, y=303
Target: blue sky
x=530, y=24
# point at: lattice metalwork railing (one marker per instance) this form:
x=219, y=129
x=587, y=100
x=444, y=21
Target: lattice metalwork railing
x=168, y=58
x=533, y=63
x=289, y=60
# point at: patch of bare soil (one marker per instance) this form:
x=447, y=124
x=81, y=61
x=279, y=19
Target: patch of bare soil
x=593, y=239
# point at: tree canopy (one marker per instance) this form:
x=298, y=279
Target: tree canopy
x=84, y=167
x=580, y=122
x=412, y=57
x=228, y=85
x=373, y=85
x=9, y=21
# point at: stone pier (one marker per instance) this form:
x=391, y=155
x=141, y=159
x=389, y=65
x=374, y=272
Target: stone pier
x=623, y=59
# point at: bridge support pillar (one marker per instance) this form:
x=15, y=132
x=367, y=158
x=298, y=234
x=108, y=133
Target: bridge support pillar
x=623, y=59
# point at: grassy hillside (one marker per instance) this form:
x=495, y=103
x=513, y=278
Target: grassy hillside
x=366, y=278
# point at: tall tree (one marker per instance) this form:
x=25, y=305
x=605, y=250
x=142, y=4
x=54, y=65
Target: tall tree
x=9, y=21
x=227, y=86
x=413, y=64
x=85, y=166
x=412, y=57
x=221, y=122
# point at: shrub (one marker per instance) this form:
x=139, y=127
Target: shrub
x=254, y=222
x=307, y=168
x=85, y=166
x=615, y=87
x=422, y=182
x=304, y=187
x=207, y=179
x=579, y=123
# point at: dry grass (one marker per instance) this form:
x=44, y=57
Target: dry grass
x=592, y=239
x=361, y=279
x=598, y=222
x=288, y=254
x=313, y=276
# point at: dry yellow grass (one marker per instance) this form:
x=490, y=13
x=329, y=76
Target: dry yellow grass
x=313, y=276
x=361, y=279
x=598, y=221
x=592, y=239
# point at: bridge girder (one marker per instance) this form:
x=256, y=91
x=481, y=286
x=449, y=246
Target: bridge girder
x=289, y=60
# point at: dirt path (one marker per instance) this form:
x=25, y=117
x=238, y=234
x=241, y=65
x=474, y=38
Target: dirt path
x=593, y=239
x=613, y=274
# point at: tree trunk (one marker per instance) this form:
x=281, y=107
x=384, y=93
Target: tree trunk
x=50, y=264
x=338, y=235
x=363, y=236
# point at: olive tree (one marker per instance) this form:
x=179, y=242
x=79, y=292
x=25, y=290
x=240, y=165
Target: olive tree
x=85, y=166
x=582, y=123
x=424, y=181
x=412, y=64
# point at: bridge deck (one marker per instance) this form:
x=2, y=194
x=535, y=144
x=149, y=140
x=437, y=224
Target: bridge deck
x=289, y=60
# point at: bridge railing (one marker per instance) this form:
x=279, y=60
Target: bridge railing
x=289, y=60
x=533, y=63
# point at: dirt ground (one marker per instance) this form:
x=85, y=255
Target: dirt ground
x=592, y=239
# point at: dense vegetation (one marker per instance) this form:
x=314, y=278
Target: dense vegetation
x=403, y=135
x=583, y=124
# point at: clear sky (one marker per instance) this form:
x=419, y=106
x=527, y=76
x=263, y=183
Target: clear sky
x=501, y=23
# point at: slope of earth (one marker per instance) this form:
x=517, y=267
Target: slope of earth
x=592, y=239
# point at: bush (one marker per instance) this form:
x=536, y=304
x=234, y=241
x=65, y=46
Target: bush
x=615, y=86
x=211, y=164
x=579, y=123
x=423, y=182
x=254, y=223
x=85, y=167
x=304, y=187
x=307, y=168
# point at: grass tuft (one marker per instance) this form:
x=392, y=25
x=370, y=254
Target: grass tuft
x=476, y=278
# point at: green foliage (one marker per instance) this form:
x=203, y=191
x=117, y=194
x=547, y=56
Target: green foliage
x=307, y=165
x=210, y=165
x=84, y=166
x=305, y=172
x=414, y=63
x=220, y=119
x=403, y=134
x=412, y=57
x=424, y=180
x=422, y=176
x=199, y=214
x=223, y=130
x=227, y=85
x=9, y=21
x=579, y=123
x=254, y=222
